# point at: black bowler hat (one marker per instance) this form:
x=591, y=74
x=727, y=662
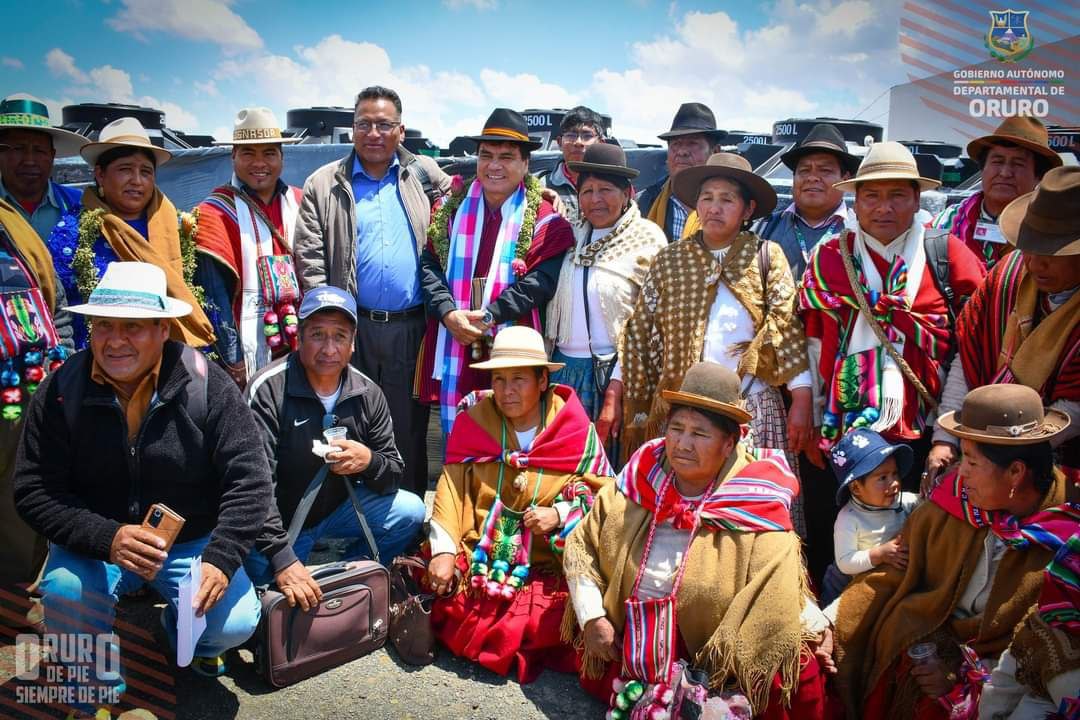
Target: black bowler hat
x=693, y=119
x=825, y=138
x=506, y=125
x=605, y=159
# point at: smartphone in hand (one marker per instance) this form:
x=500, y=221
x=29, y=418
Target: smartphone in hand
x=163, y=522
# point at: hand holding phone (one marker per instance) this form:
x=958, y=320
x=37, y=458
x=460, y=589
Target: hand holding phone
x=164, y=522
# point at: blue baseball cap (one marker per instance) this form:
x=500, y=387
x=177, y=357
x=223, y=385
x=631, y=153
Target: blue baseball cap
x=857, y=455
x=327, y=297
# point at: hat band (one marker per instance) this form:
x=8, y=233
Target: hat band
x=109, y=297
x=889, y=167
x=506, y=132
x=128, y=140
x=256, y=134
x=1011, y=431
x=519, y=354
x=23, y=111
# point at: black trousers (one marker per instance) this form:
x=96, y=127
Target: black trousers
x=386, y=352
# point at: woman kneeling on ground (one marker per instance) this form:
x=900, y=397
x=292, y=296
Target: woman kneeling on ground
x=523, y=462
x=691, y=555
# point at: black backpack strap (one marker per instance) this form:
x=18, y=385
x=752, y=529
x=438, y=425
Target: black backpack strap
x=71, y=385
x=417, y=168
x=936, y=241
x=198, y=378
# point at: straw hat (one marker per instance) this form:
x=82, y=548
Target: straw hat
x=713, y=387
x=888, y=161
x=605, y=159
x=518, y=346
x=257, y=126
x=687, y=184
x=132, y=290
x=123, y=132
x=25, y=112
x=1047, y=220
x=1027, y=132
x=1004, y=414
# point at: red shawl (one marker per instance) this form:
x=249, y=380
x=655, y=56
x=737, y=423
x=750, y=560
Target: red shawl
x=552, y=237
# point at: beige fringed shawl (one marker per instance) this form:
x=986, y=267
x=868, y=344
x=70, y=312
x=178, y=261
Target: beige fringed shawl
x=666, y=331
x=740, y=601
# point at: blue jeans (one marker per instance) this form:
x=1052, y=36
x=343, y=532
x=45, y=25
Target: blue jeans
x=395, y=520
x=80, y=594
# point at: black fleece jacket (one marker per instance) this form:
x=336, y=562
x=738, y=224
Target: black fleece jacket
x=77, y=488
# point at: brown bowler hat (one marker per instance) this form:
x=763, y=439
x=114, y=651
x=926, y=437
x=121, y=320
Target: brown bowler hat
x=606, y=159
x=1027, y=132
x=1004, y=414
x=1047, y=220
x=712, y=387
x=687, y=184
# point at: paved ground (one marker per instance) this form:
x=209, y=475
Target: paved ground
x=375, y=687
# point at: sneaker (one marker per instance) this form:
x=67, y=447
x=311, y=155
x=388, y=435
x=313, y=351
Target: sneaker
x=210, y=666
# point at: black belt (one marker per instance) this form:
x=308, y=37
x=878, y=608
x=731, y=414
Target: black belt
x=385, y=316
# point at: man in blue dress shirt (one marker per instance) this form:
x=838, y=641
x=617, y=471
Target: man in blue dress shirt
x=362, y=227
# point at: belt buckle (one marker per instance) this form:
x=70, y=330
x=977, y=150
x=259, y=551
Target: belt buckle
x=380, y=316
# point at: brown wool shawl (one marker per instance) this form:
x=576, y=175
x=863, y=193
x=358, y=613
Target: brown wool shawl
x=884, y=611
x=666, y=331
x=739, y=606
x=162, y=249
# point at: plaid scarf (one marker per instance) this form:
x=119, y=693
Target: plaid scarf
x=451, y=356
x=1055, y=528
x=756, y=499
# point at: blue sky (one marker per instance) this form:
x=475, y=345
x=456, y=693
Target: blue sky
x=454, y=60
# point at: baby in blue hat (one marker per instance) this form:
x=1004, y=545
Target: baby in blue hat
x=867, y=529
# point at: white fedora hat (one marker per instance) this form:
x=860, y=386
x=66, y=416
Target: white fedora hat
x=132, y=290
x=25, y=112
x=256, y=126
x=123, y=132
x=517, y=346
x=888, y=161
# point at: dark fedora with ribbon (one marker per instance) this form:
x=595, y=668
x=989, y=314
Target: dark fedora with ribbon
x=693, y=118
x=823, y=138
x=25, y=112
x=604, y=159
x=1046, y=221
x=506, y=125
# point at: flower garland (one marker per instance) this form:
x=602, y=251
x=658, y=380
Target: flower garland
x=439, y=230
x=82, y=262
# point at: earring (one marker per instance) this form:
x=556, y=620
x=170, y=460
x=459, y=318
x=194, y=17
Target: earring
x=1012, y=491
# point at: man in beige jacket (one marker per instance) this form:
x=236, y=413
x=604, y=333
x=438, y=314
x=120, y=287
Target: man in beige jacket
x=362, y=226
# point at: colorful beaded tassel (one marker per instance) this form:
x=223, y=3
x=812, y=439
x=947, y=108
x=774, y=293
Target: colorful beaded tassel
x=500, y=561
x=21, y=376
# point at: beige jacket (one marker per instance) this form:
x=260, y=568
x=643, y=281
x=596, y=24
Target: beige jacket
x=324, y=242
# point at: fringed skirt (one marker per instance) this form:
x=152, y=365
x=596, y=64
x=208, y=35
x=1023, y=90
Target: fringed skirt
x=768, y=429
x=496, y=633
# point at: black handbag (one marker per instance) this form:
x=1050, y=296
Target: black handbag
x=602, y=365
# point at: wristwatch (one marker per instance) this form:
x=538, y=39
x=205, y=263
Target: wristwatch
x=487, y=318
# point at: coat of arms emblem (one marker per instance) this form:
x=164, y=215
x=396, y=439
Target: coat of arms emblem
x=1008, y=38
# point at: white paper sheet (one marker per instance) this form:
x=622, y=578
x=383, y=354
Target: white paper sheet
x=189, y=627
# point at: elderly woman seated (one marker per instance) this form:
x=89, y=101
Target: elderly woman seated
x=691, y=556
x=990, y=584
x=523, y=462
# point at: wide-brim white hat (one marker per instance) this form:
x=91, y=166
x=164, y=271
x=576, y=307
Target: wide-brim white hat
x=25, y=112
x=123, y=132
x=888, y=161
x=257, y=126
x=134, y=290
x=518, y=346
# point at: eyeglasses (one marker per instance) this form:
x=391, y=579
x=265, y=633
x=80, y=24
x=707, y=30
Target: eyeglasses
x=384, y=128
x=585, y=137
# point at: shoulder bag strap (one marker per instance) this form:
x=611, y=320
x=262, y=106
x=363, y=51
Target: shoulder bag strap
x=864, y=308
x=296, y=525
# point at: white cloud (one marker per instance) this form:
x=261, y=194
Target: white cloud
x=474, y=4
x=524, y=90
x=112, y=83
x=198, y=20
x=13, y=63
x=208, y=88
x=63, y=65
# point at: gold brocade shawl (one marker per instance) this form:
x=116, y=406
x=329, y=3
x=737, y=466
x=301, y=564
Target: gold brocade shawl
x=31, y=250
x=666, y=331
x=466, y=491
x=739, y=606
x=162, y=249
x=1037, y=350
x=884, y=611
